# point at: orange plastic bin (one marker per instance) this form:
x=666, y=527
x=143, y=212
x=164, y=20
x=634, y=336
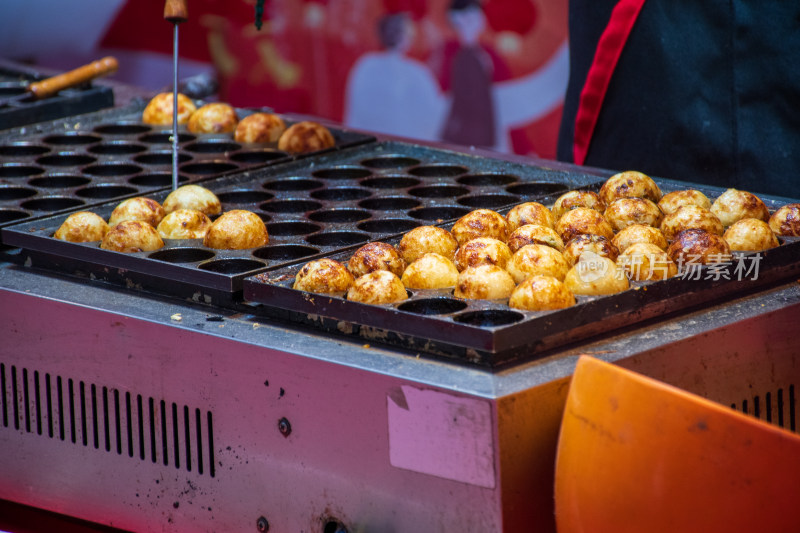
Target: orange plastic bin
x=638, y=455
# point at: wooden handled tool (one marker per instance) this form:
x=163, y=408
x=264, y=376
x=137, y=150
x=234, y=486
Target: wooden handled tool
x=175, y=11
x=50, y=86
x=95, y=69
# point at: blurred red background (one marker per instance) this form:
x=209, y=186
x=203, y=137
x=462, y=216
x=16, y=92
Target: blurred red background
x=300, y=60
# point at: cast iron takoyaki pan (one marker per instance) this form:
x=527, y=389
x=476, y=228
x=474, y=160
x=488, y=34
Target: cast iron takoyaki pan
x=67, y=103
x=490, y=333
x=63, y=170
x=312, y=207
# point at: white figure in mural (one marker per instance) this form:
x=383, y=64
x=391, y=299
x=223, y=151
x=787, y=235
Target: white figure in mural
x=389, y=92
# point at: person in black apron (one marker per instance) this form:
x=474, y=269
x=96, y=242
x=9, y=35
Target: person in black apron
x=705, y=92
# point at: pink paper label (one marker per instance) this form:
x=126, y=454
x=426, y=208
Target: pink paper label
x=441, y=434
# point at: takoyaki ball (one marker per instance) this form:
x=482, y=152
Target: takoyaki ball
x=216, y=117
x=480, y=223
x=132, y=236
x=323, y=276
x=733, y=205
x=583, y=220
x=482, y=251
x=594, y=275
x=83, y=226
x=625, y=212
x=138, y=208
x=236, y=230
x=376, y=256
x=484, y=282
x=639, y=233
x=427, y=239
x=378, y=287
x=431, y=271
x=184, y=224
x=541, y=293
x=750, y=235
x=572, y=199
x=589, y=243
x=646, y=262
x=534, y=234
x=690, y=217
x=159, y=109
x=536, y=259
x=528, y=213
x=630, y=184
x=698, y=246
x=786, y=221
x=304, y=137
x=259, y=128
x=670, y=202
x=192, y=197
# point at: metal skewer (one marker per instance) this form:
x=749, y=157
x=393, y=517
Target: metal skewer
x=175, y=11
x=175, y=108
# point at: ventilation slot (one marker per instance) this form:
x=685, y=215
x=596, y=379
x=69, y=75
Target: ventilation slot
x=779, y=408
x=107, y=419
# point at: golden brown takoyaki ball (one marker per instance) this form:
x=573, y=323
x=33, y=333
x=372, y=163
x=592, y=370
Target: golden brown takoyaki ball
x=589, y=243
x=427, y=239
x=237, y=230
x=534, y=234
x=484, y=282
x=541, y=293
x=625, y=212
x=698, y=246
x=83, y=226
x=690, y=217
x=646, y=262
x=670, y=202
x=572, y=199
x=750, y=235
x=536, y=259
x=131, y=236
x=733, y=205
x=630, y=184
x=528, y=213
x=480, y=223
x=304, y=137
x=786, y=221
x=583, y=220
x=159, y=109
x=482, y=251
x=259, y=128
x=138, y=208
x=639, y=233
x=376, y=256
x=184, y=224
x=378, y=287
x=431, y=271
x=216, y=117
x=594, y=275
x=323, y=276
x=192, y=197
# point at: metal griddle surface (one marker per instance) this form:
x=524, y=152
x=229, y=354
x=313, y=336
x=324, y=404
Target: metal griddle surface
x=330, y=204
